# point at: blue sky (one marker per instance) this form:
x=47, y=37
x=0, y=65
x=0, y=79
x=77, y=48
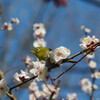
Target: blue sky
x=63, y=29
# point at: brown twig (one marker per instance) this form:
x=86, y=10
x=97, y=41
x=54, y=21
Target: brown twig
x=22, y=83
x=13, y=68
x=52, y=80
x=53, y=92
x=64, y=60
x=72, y=66
x=93, y=80
x=81, y=52
x=11, y=96
x=96, y=45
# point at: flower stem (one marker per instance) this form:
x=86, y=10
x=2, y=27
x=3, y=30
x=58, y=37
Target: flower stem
x=72, y=65
x=81, y=52
x=22, y=83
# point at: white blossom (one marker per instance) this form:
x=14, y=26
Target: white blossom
x=96, y=75
x=15, y=20
x=91, y=55
x=87, y=30
x=86, y=85
x=39, y=30
x=92, y=64
x=39, y=33
x=95, y=87
x=33, y=86
x=7, y=26
x=3, y=88
x=72, y=96
x=29, y=61
x=39, y=70
x=22, y=77
x=47, y=89
x=32, y=97
x=58, y=54
x=88, y=41
x=39, y=43
x=38, y=26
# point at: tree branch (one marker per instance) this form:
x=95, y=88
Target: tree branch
x=22, y=83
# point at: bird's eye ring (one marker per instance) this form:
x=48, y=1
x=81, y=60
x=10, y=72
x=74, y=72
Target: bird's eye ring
x=37, y=49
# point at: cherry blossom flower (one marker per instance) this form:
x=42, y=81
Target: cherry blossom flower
x=39, y=33
x=72, y=96
x=39, y=30
x=38, y=26
x=88, y=41
x=3, y=88
x=86, y=85
x=39, y=70
x=15, y=20
x=47, y=89
x=32, y=97
x=7, y=26
x=22, y=77
x=95, y=87
x=86, y=30
x=92, y=64
x=39, y=43
x=28, y=60
x=33, y=86
x=92, y=55
x=58, y=54
x=96, y=75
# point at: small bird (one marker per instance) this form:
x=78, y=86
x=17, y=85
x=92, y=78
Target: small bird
x=42, y=53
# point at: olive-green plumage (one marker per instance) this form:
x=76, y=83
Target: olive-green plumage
x=41, y=53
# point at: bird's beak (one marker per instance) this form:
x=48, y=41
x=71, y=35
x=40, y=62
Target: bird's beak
x=31, y=52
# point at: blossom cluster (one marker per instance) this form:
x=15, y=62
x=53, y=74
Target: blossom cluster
x=39, y=34
x=36, y=68
x=40, y=70
x=9, y=26
x=71, y=96
x=86, y=84
x=47, y=89
x=43, y=94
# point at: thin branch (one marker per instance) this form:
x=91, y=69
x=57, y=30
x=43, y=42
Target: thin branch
x=34, y=94
x=72, y=66
x=81, y=52
x=93, y=81
x=22, y=83
x=89, y=48
x=53, y=92
x=11, y=96
x=52, y=80
x=13, y=68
